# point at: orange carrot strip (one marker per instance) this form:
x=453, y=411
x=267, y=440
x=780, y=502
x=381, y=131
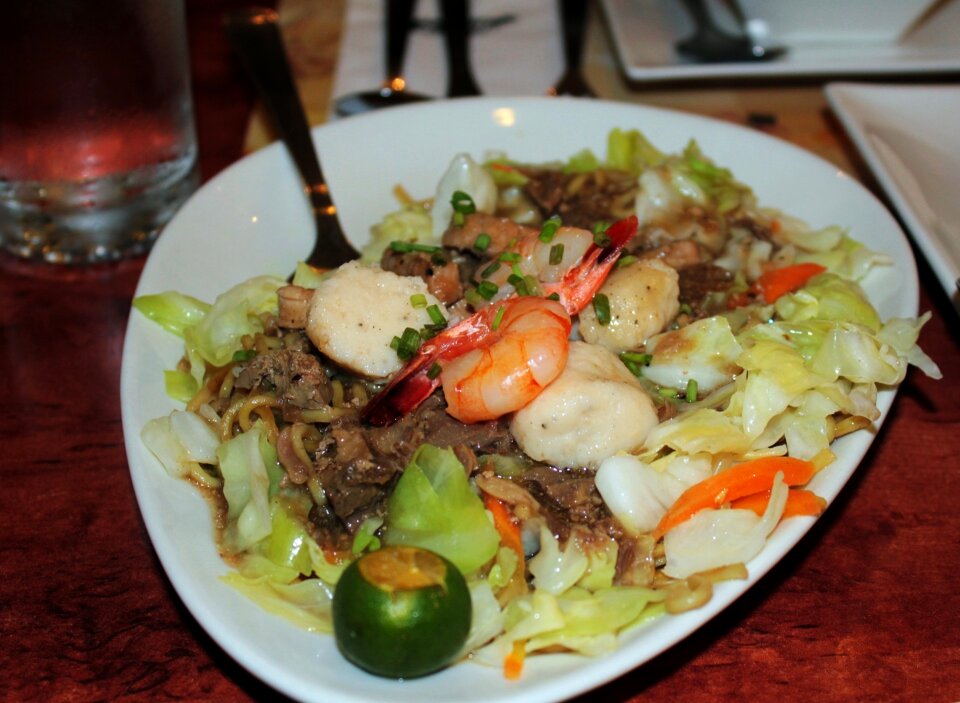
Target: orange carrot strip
x=503, y=521
x=513, y=662
x=799, y=502
x=741, y=480
x=784, y=280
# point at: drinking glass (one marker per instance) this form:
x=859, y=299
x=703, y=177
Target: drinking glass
x=97, y=141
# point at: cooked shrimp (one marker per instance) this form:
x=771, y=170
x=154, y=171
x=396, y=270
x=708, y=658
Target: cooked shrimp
x=490, y=364
x=357, y=311
x=644, y=296
x=514, y=326
x=533, y=256
x=512, y=364
x=593, y=410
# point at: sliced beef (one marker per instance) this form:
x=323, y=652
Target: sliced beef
x=545, y=188
x=696, y=282
x=442, y=278
x=580, y=199
x=566, y=496
x=296, y=377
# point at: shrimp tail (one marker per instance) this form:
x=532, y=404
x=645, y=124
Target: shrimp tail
x=414, y=383
x=582, y=281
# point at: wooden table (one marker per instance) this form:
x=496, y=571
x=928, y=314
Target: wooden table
x=865, y=608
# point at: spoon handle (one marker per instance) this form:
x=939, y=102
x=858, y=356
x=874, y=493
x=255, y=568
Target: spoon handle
x=573, y=16
x=399, y=21
x=455, y=15
x=256, y=38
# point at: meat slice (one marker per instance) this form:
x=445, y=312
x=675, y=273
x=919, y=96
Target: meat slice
x=697, y=281
x=442, y=279
x=567, y=497
x=296, y=377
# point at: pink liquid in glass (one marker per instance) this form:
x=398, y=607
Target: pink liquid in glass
x=97, y=145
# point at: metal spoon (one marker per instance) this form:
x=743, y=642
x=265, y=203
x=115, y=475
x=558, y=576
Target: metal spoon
x=710, y=44
x=256, y=38
x=394, y=90
x=573, y=15
x=455, y=17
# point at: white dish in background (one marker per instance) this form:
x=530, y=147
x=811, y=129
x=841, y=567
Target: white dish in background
x=908, y=135
x=824, y=21
x=253, y=219
x=645, y=31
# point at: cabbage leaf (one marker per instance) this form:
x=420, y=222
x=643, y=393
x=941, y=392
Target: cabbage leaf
x=433, y=507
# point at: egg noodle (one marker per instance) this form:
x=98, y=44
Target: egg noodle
x=594, y=386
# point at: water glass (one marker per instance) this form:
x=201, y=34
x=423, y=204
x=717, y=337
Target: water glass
x=97, y=141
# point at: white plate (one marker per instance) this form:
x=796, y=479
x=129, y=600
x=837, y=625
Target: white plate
x=252, y=219
x=908, y=136
x=645, y=31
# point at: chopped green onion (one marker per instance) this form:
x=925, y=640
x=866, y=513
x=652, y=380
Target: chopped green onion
x=463, y=203
x=686, y=309
x=418, y=300
x=668, y=392
x=509, y=257
x=490, y=270
x=487, y=289
x=600, y=226
x=497, y=319
x=408, y=344
x=635, y=361
x=533, y=285
x=395, y=343
x=244, y=354
x=434, y=312
x=601, y=239
x=553, y=296
x=626, y=260
x=691, y=392
x=516, y=270
x=556, y=254
x=407, y=247
x=482, y=242
x=434, y=371
x=601, y=306
x=549, y=229
x=637, y=357
x=519, y=283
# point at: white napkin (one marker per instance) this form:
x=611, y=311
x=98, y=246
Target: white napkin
x=520, y=57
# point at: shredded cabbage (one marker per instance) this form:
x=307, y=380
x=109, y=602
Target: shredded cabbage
x=173, y=311
x=715, y=538
x=216, y=337
x=433, y=507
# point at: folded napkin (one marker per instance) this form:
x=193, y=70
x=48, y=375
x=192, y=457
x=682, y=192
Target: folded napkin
x=521, y=55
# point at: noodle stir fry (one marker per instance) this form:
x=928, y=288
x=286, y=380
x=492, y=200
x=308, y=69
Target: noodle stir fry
x=590, y=388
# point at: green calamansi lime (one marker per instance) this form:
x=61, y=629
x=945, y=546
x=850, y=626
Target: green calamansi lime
x=401, y=612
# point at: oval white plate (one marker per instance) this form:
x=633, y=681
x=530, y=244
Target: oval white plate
x=253, y=219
